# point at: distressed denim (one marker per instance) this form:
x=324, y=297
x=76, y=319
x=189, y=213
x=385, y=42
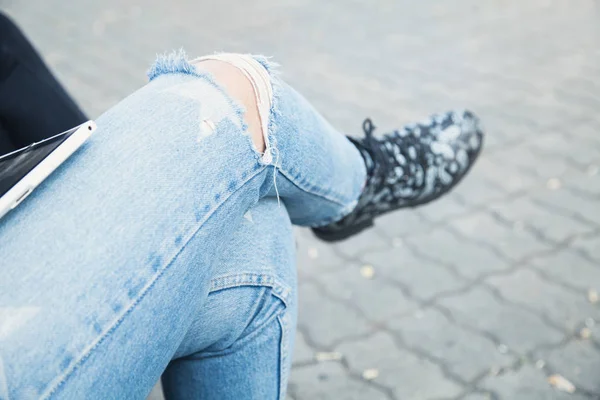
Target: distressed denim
x=164, y=247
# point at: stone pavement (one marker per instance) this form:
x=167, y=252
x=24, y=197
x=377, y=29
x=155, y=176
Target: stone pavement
x=484, y=294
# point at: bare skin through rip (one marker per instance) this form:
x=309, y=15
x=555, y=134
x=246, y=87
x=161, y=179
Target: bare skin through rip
x=241, y=90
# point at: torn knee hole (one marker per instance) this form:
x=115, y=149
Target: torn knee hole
x=241, y=89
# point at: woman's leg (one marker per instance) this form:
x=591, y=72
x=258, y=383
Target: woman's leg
x=33, y=105
x=105, y=266
x=240, y=343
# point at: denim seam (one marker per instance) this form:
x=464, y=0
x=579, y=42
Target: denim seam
x=279, y=289
x=283, y=353
x=100, y=339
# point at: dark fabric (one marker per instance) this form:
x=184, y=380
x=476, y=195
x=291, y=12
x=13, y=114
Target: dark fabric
x=33, y=105
x=6, y=144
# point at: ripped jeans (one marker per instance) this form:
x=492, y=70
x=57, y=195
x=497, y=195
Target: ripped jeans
x=164, y=247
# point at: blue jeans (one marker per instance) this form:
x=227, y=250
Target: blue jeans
x=161, y=247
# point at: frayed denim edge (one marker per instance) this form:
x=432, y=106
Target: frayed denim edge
x=177, y=62
x=274, y=72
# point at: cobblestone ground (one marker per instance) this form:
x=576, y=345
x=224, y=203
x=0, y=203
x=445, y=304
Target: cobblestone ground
x=485, y=294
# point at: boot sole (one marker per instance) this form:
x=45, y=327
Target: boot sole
x=343, y=234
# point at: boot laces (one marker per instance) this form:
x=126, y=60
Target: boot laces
x=385, y=157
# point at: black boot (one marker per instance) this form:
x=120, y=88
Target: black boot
x=410, y=167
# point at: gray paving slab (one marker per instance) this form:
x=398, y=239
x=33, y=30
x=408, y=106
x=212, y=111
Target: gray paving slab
x=578, y=361
x=542, y=222
x=509, y=241
x=340, y=321
x=380, y=353
x=571, y=268
x=423, y=279
x=527, y=383
x=470, y=260
x=321, y=380
x=477, y=396
x=512, y=327
x=375, y=296
x=461, y=352
x=566, y=309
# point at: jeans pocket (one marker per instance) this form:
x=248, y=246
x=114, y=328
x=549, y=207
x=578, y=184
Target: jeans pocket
x=240, y=347
x=268, y=309
x=238, y=308
x=242, y=306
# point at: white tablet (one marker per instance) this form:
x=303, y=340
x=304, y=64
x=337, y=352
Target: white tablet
x=23, y=170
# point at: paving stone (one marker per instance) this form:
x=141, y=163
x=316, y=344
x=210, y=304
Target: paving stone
x=420, y=379
x=561, y=145
x=470, y=260
x=562, y=148
x=302, y=352
x=477, y=396
x=463, y=352
x=366, y=241
x=503, y=174
x=314, y=257
x=579, y=362
x=563, y=307
x=403, y=223
x=551, y=225
x=321, y=381
x=544, y=113
x=590, y=245
x=327, y=321
x=503, y=128
x=512, y=243
x=442, y=210
x=478, y=190
x=425, y=279
x=534, y=161
x=375, y=297
x=521, y=331
x=568, y=203
x=585, y=184
x=527, y=383
x=571, y=268
x=595, y=329
x=587, y=130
